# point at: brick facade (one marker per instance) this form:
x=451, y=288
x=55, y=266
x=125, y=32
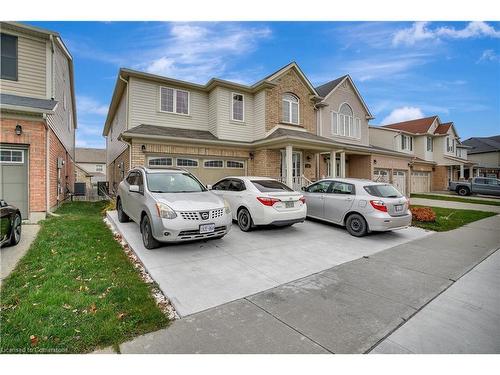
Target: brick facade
x=292, y=83
x=265, y=163
x=62, y=181
x=440, y=178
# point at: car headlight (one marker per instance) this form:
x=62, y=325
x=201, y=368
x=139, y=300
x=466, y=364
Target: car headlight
x=227, y=207
x=165, y=211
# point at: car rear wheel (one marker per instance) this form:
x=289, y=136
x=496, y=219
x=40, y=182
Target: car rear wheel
x=122, y=216
x=245, y=221
x=463, y=191
x=356, y=225
x=147, y=234
x=15, y=235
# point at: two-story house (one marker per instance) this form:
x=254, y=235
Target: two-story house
x=38, y=119
x=437, y=155
x=280, y=127
x=485, y=151
x=90, y=166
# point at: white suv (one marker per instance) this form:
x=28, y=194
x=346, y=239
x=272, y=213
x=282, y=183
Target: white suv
x=171, y=205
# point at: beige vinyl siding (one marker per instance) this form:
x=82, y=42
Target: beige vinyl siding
x=491, y=159
x=383, y=138
x=61, y=121
x=92, y=167
x=212, y=112
x=344, y=94
x=31, y=73
x=420, y=147
x=260, y=115
x=114, y=147
x=229, y=129
x=145, y=107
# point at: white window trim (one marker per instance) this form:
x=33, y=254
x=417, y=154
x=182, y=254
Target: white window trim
x=13, y=162
x=353, y=128
x=99, y=168
x=209, y=160
x=160, y=157
x=409, y=139
x=427, y=144
x=290, y=109
x=236, y=161
x=174, y=107
x=232, y=106
x=187, y=166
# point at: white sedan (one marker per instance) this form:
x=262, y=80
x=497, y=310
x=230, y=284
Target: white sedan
x=261, y=201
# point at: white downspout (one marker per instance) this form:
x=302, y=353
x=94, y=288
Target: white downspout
x=126, y=122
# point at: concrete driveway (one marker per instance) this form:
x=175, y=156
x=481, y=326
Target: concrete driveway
x=196, y=276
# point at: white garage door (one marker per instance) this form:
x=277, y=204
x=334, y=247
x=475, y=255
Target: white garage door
x=381, y=175
x=399, y=181
x=209, y=169
x=420, y=182
x=14, y=178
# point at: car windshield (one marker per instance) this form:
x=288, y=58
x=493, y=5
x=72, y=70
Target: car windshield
x=383, y=191
x=173, y=183
x=267, y=186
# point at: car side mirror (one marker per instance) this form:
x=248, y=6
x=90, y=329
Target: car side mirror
x=209, y=187
x=134, y=189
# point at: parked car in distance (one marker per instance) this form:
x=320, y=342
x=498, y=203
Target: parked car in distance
x=171, y=205
x=10, y=224
x=261, y=201
x=361, y=206
x=477, y=185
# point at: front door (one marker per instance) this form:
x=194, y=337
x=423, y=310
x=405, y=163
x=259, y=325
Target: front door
x=296, y=168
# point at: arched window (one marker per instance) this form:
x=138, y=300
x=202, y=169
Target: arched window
x=290, y=109
x=345, y=124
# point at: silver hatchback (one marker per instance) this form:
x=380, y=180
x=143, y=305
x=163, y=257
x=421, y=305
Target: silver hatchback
x=361, y=206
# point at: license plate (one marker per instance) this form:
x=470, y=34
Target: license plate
x=399, y=208
x=289, y=204
x=207, y=228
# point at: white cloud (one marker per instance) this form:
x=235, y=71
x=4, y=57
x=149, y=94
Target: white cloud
x=198, y=52
x=488, y=55
x=87, y=105
x=403, y=114
x=420, y=31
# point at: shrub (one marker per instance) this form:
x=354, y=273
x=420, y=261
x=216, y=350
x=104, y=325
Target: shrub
x=110, y=206
x=424, y=214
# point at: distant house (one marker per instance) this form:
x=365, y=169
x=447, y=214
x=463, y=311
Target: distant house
x=90, y=165
x=38, y=119
x=485, y=151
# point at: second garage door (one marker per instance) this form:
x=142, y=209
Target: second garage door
x=208, y=170
x=420, y=182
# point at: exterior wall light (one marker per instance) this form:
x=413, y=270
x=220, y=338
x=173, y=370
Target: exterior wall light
x=19, y=129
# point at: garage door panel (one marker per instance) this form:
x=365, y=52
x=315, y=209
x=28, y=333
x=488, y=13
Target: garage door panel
x=14, y=184
x=420, y=182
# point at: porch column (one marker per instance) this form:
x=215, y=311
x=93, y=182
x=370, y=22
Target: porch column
x=289, y=166
x=333, y=164
x=471, y=171
x=342, y=164
x=478, y=171
x=461, y=172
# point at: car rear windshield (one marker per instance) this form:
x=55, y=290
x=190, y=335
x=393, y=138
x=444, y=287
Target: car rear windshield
x=383, y=191
x=269, y=186
x=173, y=183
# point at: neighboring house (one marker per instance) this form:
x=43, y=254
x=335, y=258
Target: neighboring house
x=90, y=166
x=38, y=119
x=485, y=151
x=437, y=155
x=280, y=127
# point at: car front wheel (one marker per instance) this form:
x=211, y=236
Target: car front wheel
x=463, y=191
x=356, y=225
x=245, y=220
x=15, y=236
x=147, y=234
x=122, y=216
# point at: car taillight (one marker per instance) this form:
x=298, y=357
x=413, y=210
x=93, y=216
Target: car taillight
x=302, y=199
x=379, y=205
x=268, y=201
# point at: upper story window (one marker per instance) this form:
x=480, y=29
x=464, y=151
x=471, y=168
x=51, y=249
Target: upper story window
x=174, y=101
x=429, y=144
x=290, y=109
x=406, y=143
x=450, y=144
x=98, y=168
x=238, y=107
x=461, y=153
x=8, y=61
x=345, y=124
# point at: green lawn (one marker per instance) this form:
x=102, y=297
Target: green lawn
x=454, y=198
x=75, y=290
x=448, y=219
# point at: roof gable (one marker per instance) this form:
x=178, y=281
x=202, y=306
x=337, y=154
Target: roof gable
x=293, y=65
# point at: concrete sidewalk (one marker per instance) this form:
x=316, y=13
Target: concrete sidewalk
x=463, y=319
x=346, y=309
x=455, y=205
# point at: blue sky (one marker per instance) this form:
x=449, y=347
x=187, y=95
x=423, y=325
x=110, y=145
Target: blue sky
x=403, y=70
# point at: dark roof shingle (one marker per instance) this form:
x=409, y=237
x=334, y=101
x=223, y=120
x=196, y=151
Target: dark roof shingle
x=483, y=144
x=28, y=102
x=326, y=88
x=172, y=132
x=90, y=155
